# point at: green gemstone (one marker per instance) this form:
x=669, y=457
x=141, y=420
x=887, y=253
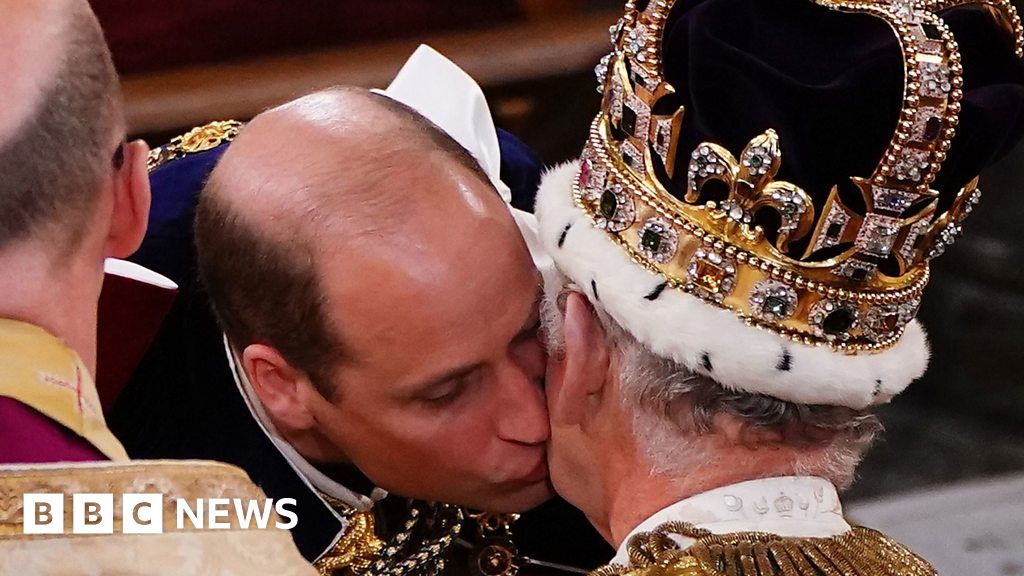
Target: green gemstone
x=839, y=320
x=776, y=306
x=756, y=161
x=932, y=31
x=651, y=241
x=609, y=204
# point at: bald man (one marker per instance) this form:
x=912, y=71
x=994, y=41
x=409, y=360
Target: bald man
x=73, y=193
x=358, y=330
x=377, y=309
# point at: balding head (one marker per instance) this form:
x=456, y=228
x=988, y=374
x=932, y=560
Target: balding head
x=61, y=110
x=326, y=175
x=344, y=157
x=32, y=39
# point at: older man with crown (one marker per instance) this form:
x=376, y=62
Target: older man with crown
x=742, y=250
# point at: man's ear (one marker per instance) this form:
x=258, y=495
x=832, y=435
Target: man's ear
x=280, y=387
x=132, y=198
x=585, y=362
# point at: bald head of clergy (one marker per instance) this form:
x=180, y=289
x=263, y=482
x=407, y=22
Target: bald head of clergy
x=380, y=299
x=72, y=191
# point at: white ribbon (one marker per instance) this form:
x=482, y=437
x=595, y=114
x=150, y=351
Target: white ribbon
x=443, y=93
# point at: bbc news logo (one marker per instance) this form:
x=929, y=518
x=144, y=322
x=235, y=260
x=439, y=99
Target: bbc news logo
x=144, y=513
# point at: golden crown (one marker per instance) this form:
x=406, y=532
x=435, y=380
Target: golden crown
x=859, y=280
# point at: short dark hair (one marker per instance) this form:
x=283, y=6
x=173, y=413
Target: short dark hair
x=264, y=289
x=54, y=164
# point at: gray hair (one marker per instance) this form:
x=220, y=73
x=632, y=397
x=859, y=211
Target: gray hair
x=54, y=164
x=673, y=405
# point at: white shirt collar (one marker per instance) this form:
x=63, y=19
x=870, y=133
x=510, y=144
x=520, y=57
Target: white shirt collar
x=313, y=478
x=788, y=506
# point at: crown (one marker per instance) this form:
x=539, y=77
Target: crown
x=848, y=275
x=783, y=504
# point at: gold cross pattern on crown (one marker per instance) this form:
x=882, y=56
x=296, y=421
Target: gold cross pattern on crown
x=855, y=279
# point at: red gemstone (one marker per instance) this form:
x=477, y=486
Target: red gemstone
x=584, y=177
x=890, y=322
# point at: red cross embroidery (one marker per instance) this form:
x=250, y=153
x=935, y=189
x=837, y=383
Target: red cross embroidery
x=62, y=383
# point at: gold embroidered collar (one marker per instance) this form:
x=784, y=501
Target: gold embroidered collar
x=40, y=371
x=859, y=552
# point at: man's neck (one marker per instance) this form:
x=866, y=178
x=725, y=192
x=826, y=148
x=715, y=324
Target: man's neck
x=60, y=297
x=634, y=501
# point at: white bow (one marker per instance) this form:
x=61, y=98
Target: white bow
x=443, y=93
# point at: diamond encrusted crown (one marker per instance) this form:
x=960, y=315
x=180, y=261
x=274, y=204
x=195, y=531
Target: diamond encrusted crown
x=857, y=278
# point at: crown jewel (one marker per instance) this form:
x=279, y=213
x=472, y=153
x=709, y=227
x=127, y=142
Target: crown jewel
x=849, y=275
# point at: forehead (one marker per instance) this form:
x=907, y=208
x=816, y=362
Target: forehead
x=450, y=274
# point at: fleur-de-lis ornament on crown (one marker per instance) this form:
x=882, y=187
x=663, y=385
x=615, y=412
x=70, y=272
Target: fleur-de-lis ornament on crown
x=752, y=187
x=859, y=275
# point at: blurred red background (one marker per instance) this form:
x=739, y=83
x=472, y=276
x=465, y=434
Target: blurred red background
x=149, y=36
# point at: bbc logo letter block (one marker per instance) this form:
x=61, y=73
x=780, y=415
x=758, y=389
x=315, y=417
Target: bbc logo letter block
x=94, y=513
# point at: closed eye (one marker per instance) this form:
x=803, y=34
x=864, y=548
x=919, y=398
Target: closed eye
x=445, y=396
x=447, y=393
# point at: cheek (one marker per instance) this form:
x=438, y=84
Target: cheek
x=531, y=358
x=405, y=439
x=553, y=378
x=451, y=460
x=567, y=458
x=563, y=443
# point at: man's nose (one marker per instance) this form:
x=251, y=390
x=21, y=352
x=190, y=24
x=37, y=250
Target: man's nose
x=522, y=414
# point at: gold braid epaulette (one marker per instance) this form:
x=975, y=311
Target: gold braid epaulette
x=357, y=549
x=199, y=139
x=859, y=552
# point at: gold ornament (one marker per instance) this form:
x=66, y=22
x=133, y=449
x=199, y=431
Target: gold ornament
x=859, y=552
x=358, y=547
x=418, y=549
x=856, y=281
x=199, y=139
x=494, y=554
